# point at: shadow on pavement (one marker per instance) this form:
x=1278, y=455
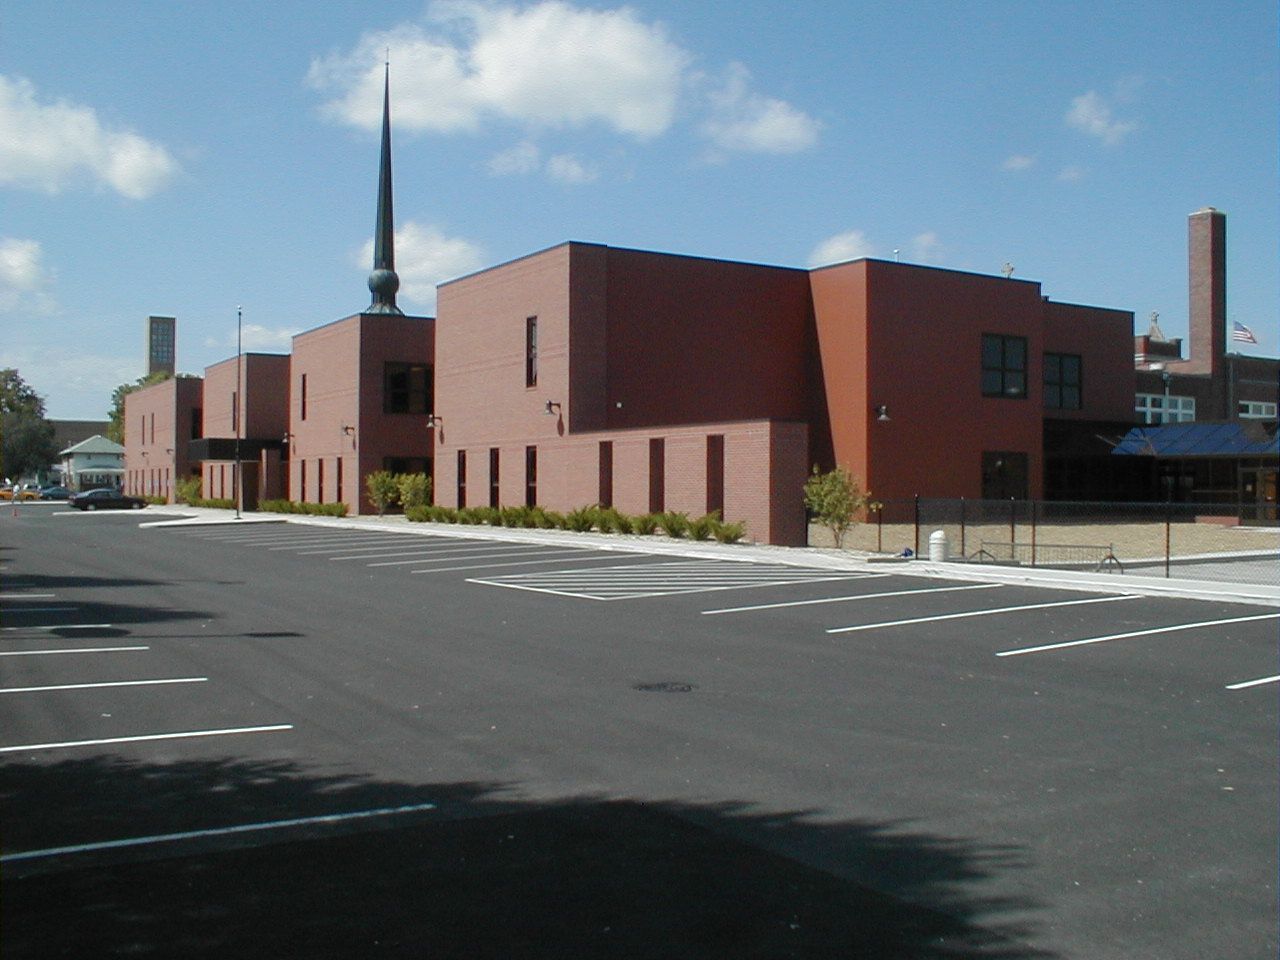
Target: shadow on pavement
x=480, y=875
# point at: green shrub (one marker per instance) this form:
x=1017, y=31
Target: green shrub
x=580, y=520
x=834, y=500
x=187, y=489
x=291, y=506
x=513, y=516
x=645, y=524
x=606, y=519
x=553, y=520
x=674, y=525
x=215, y=503
x=383, y=488
x=414, y=489
x=701, y=528
x=622, y=523
x=729, y=532
x=419, y=514
x=156, y=500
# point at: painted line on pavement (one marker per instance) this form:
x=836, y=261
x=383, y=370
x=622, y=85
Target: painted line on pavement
x=63, y=626
x=515, y=563
x=979, y=613
x=44, y=653
x=186, y=734
x=1135, y=633
x=26, y=596
x=1244, y=685
x=325, y=819
x=95, y=686
x=12, y=612
x=429, y=550
x=861, y=596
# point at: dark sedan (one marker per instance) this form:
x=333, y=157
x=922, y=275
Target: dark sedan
x=105, y=499
x=54, y=493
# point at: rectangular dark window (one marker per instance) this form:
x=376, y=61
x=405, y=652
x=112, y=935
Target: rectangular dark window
x=1004, y=475
x=153, y=428
x=715, y=474
x=531, y=352
x=235, y=413
x=1004, y=366
x=407, y=465
x=320, y=480
x=606, y=473
x=407, y=387
x=657, y=468
x=530, y=476
x=302, y=394
x=338, y=480
x=1062, y=381
x=302, y=481
x=197, y=423
x=462, y=479
x=494, y=488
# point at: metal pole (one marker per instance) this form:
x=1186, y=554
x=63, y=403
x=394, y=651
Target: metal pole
x=962, y=550
x=916, y=551
x=1168, y=510
x=1033, y=532
x=239, y=407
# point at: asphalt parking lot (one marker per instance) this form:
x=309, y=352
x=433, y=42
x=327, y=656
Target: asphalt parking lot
x=272, y=738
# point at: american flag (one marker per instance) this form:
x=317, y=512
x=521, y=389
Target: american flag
x=1242, y=333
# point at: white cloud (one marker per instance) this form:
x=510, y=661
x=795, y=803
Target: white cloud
x=48, y=146
x=1018, y=162
x=426, y=257
x=523, y=158
x=747, y=121
x=550, y=64
x=925, y=246
x=1072, y=173
x=851, y=245
x=24, y=279
x=75, y=384
x=1091, y=114
x=566, y=168
x=254, y=336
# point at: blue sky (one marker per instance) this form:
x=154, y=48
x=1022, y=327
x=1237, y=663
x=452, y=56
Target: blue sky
x=184, y=159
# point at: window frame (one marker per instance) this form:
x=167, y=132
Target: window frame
x=412, y=395
x=531, y=351
x=1003, y=367
x=1056, y=382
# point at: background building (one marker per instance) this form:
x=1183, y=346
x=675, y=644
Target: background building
x=162, y=346
x=160, y=421
x=253, y=406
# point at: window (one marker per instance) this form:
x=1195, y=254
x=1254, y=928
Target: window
x=407, y=465
x=320, y=480
x=302, y=393
x=531, y=352
x=235, y=413
x=530, y=476
x=1004, y=366
x=1157, y=408
x=605, y=486
x=1004, y=475
x=494, y=488
x=302, y=481
x=715, y=474
x=338, y=481
x=462, y=479
x=407, y=388
x=657, y=467
x=1062, y=381
x=1256, y=410
x=197, y=423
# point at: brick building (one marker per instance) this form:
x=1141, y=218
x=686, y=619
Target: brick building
x=160, y=421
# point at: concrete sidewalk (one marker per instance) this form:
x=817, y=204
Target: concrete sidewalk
x=1185, y=585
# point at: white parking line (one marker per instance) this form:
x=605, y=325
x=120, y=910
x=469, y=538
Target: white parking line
x=42, y=610
x=214, y=832
x=1135, y=633
x=430, y=550
x=977, y=613
x=46, y=653
x=186, y=734
x=26, y=596
x=570, y=552
x=1252, y=683
x=95, y=686
x=490, y=566
x=860, y=596
x=63, y=626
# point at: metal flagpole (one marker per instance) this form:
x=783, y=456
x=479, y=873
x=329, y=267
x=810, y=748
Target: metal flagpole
x=239, y=410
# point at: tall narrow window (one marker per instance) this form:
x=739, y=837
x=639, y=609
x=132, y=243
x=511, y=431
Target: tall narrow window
x=338, y=480
x=197, y=423
x=320, y=480
x=302, y=395
x=406, y=388
x=657, y=480
x=302, y=481
x=606, y=473
x=1062, y=386
x=1004, y=366
x=462, y=479
x=153, y=428
x=530, y=476
x=715, y=474
x=494, y=488
x=531, y=352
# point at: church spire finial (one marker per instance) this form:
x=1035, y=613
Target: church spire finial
x=383, y=282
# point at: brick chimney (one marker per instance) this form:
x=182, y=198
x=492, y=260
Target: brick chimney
x=1207, y=303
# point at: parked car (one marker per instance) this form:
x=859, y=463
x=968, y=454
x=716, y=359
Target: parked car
x=54, y=493
x=19, y=493
x=105, y=499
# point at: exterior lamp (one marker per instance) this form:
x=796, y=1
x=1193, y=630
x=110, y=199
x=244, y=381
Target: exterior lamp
x=434, y=420
x=349, y=431
x=882, y=412
x=551, y=409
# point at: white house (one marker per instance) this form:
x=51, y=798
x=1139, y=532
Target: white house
x=92, y=463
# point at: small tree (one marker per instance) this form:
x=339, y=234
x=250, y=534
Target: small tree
x=834, y=500
x=383, y=489
x=414, y=489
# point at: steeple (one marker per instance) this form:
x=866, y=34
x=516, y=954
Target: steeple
x=383, y=282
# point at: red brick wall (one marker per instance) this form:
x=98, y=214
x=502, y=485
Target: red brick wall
x=265, y=382
x=1103, y=339
x=157, y=433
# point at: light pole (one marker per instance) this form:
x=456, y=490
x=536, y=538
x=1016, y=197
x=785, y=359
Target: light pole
x=239, y=409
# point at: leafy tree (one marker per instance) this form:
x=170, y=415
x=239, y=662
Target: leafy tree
x=383, y=487
x=414, y=489
x=834, y=500
x=115, y=429
x=27, y=436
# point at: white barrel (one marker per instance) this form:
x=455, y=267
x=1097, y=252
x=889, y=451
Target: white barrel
x=938, y=546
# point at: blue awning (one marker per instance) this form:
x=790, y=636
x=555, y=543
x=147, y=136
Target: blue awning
x=1237, y=438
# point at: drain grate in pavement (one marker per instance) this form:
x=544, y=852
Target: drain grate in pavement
x=666, y=686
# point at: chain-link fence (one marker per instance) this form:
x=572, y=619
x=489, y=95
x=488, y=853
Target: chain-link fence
x=1201, y=541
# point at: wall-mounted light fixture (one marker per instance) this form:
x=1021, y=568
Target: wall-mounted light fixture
x=434, y=420
x=169, y=450
x=348, y=430
x=882, y=412
x=551, y=409
x=286, y=438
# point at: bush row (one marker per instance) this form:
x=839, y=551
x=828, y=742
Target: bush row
x=311, y=509
x=603, y=519
x=220, y=503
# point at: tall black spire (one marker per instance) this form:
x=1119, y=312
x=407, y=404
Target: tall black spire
x=383, y=282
